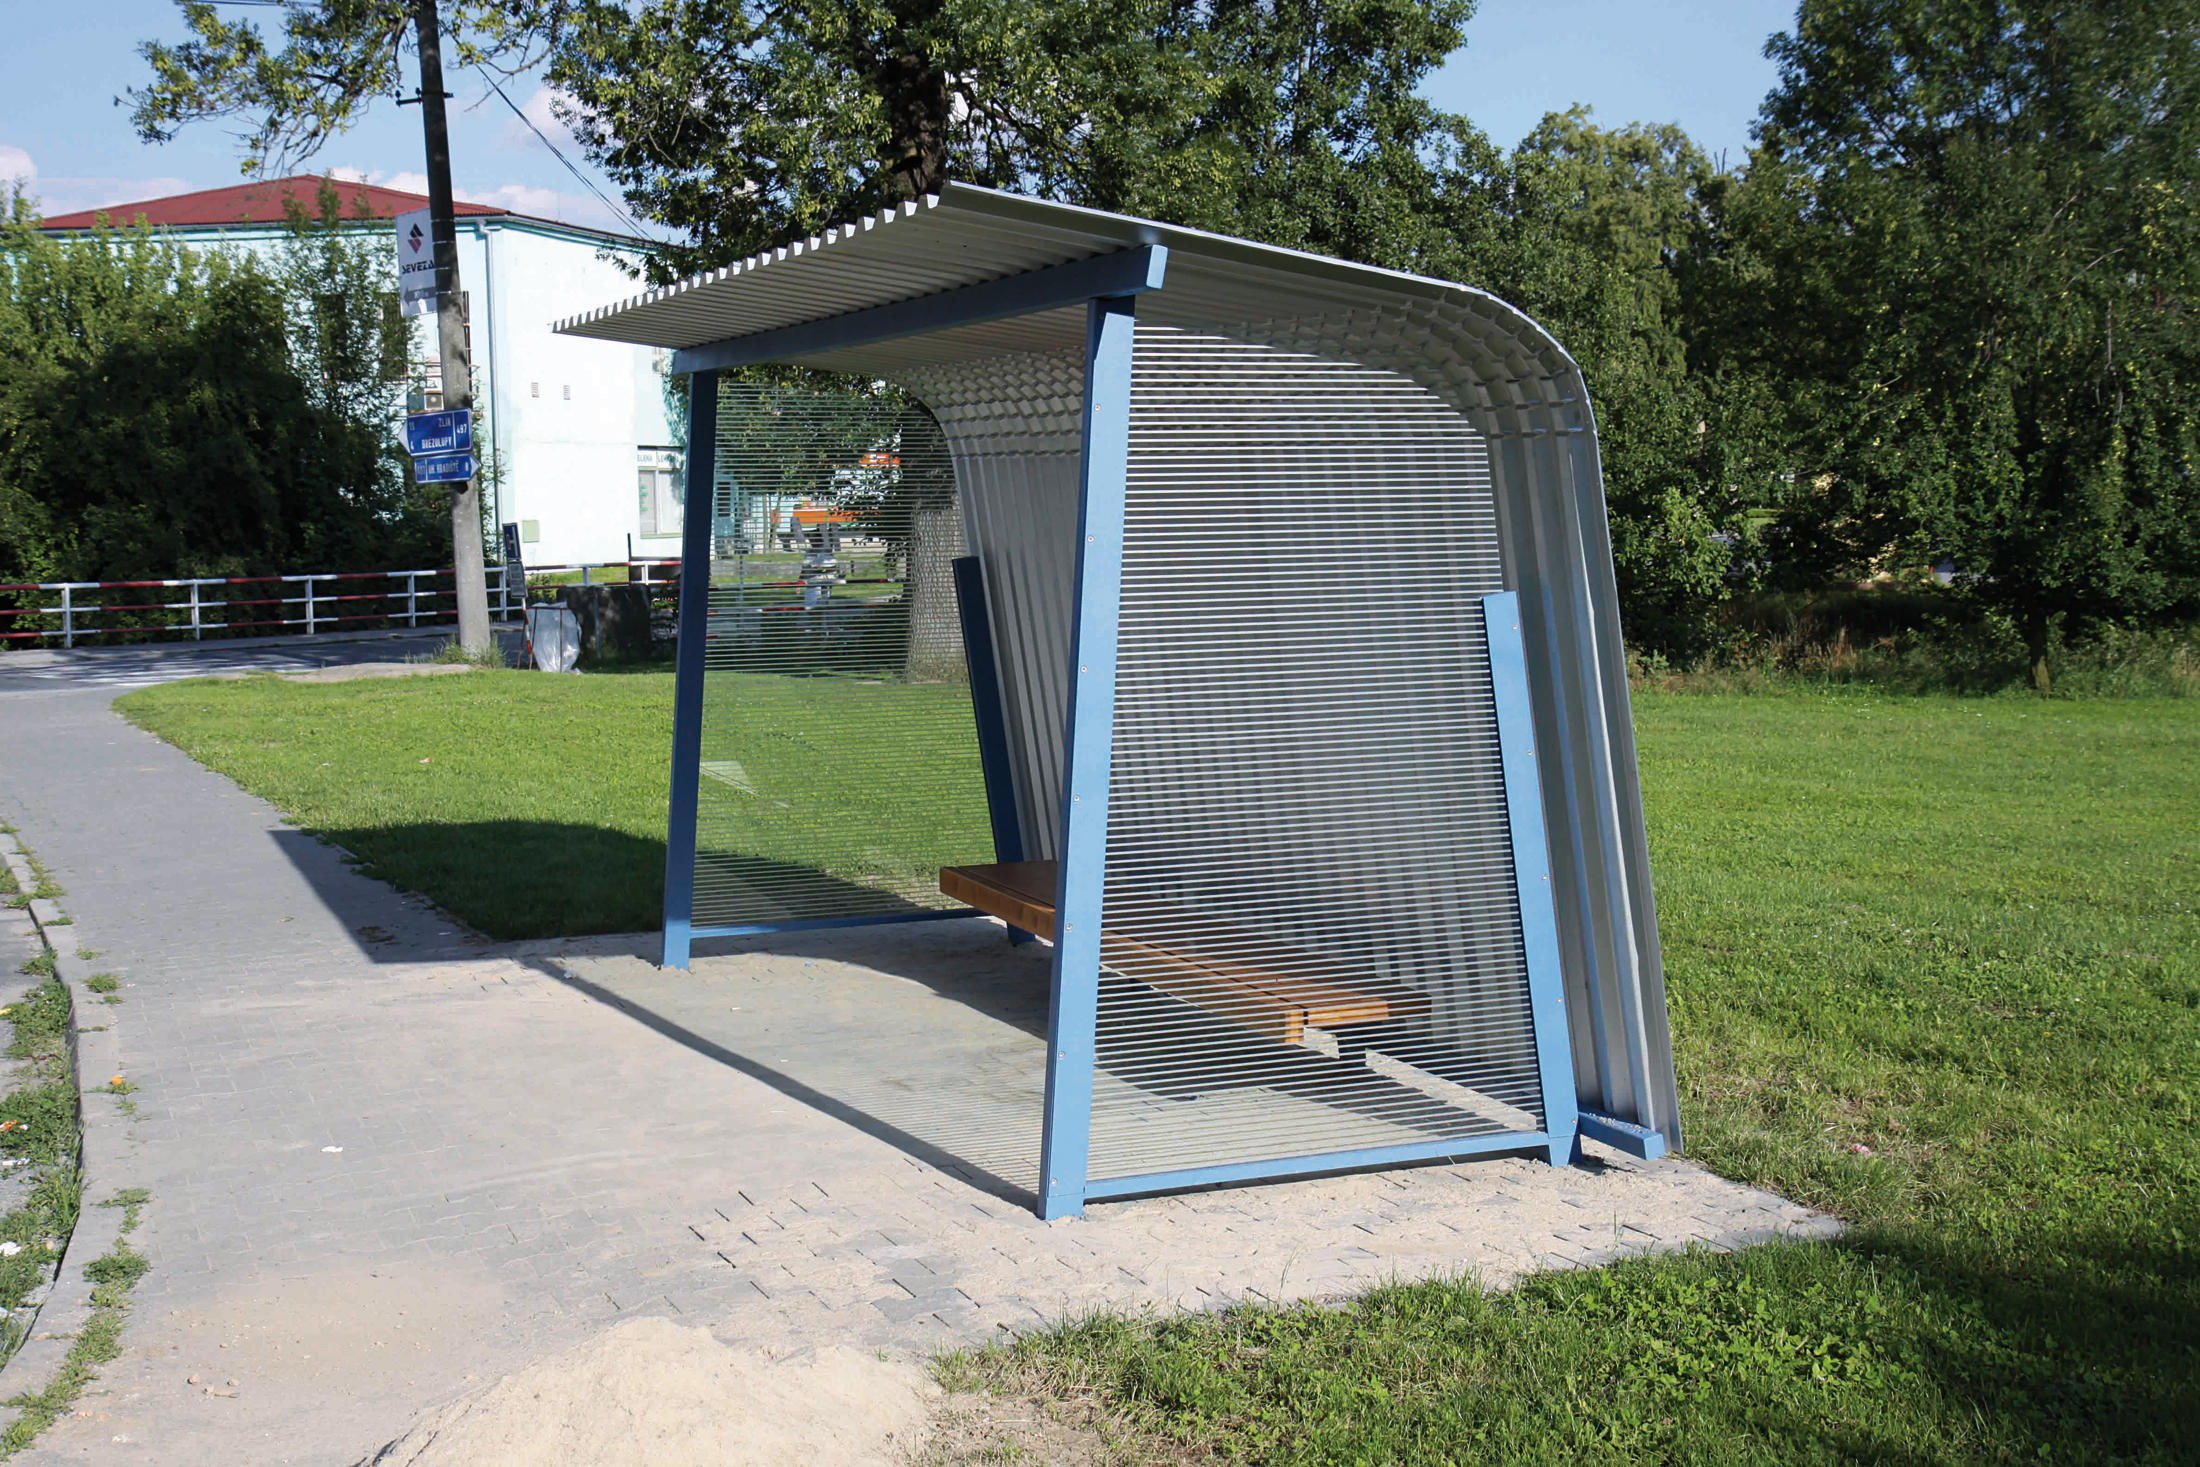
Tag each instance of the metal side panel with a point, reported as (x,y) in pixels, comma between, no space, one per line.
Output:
(1012,425)
(1314,942)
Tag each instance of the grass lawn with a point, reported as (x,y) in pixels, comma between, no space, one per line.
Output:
(533,806)
(1934,964)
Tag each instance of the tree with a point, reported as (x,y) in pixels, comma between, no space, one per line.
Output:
(1966,251)
(336,55)
(743,125)
(166,411)
(1590,234)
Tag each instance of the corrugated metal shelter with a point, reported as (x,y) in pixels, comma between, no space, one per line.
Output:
(1336,829)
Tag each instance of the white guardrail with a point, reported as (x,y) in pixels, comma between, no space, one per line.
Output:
(323,601)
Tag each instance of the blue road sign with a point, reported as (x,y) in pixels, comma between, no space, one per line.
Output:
(443,468)
(451,432)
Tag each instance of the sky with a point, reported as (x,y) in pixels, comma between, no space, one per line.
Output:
(1698,63)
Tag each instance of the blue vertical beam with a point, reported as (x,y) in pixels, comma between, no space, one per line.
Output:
(1554,1051)
(1073,1015)
(991,715)
(687,682)
(986,708)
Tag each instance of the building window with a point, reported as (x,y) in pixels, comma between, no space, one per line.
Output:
(658,472)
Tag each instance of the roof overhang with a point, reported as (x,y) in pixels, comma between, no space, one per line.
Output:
(942,246)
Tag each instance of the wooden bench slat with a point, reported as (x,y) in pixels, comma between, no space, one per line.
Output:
(1232,976)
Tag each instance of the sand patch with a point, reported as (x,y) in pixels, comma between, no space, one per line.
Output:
(652,1393)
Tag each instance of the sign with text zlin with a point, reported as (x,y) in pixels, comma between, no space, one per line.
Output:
(415,263)
(444,468)
(444,432)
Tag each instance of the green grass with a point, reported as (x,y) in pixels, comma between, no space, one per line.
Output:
(112,1276)
(533,806)
(38,1128)
(1934,964)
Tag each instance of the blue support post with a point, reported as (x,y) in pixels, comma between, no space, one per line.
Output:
(988,710)
(1554,1050)
(1073,1014)
(687,683)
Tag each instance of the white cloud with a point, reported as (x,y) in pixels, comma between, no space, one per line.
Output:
(68,195)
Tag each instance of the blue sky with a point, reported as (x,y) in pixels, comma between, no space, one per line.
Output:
(1699,63)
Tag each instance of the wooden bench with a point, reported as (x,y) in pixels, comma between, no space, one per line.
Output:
(1231,973)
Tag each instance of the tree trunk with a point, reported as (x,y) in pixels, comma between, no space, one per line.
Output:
(935,622)
(2035,626)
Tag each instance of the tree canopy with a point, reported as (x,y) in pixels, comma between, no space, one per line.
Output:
(1962,257)
(1941,314)
(166,411)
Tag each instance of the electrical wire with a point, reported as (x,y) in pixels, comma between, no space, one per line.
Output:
(585,181)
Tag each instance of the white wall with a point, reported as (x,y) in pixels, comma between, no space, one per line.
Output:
(567,462)
(567,414)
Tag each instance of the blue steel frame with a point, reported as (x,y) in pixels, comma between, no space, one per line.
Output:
(1554,1050)
(987,710)
(1110,285)
(1121,275)
(1064,1186)
(1073,1014)
(687,677)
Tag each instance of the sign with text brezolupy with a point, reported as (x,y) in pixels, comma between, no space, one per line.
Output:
(415,263)
(444,432)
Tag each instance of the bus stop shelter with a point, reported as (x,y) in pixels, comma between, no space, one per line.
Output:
(1282,693)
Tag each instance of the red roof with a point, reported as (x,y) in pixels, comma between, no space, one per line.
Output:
(259,203)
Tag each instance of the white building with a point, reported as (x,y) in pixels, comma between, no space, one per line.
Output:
(574,437)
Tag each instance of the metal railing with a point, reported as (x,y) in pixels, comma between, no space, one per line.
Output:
(309,604)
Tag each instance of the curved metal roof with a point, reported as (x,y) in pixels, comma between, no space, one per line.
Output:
(966,235)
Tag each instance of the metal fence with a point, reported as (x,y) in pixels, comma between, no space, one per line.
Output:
(197,608)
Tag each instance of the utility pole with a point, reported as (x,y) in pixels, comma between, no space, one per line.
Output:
(470,581)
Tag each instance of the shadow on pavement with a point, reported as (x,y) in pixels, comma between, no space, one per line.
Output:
(929,1036)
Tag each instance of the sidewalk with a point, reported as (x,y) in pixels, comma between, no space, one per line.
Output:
(118,669)
(389,1162)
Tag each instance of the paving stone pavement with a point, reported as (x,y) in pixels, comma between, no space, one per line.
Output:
(389,1160)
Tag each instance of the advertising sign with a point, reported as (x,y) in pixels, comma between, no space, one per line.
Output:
(415,264)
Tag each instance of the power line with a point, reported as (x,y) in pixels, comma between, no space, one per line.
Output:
(585,181)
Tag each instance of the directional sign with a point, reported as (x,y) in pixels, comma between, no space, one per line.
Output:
(429,433)
(444,468)
(415,263)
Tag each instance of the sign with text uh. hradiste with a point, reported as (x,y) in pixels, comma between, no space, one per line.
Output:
(415,263)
